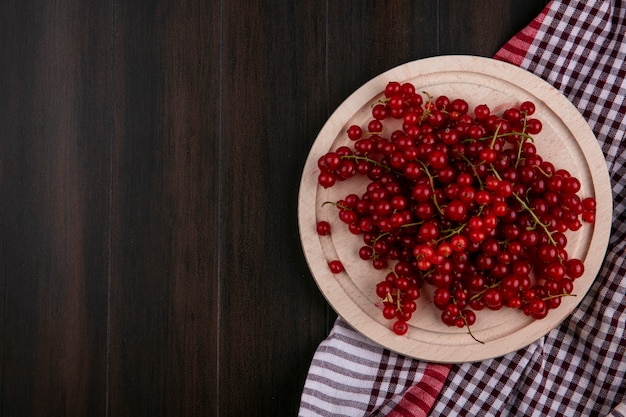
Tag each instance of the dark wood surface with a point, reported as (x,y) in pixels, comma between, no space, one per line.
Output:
(150,156)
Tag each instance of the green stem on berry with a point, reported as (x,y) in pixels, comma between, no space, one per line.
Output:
(519,146)
(340,206)
(429,101)
(413,224)
(519,155)
(526,207)
(425,274)
(504,135)
(549,297)
(365,158)
(495,136)
(398,299)
(480,182)
(452,232)
(488,287)
(432,185)
(469,330)
(380,236)
(545,174)
(536,219)
(375,254)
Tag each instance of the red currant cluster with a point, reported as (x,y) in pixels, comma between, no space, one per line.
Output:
(459,202)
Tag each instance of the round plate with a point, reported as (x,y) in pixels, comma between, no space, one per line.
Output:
(566,140)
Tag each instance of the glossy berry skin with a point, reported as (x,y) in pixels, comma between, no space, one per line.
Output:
(335,266)
(457,202)
(400,328)
(323,228)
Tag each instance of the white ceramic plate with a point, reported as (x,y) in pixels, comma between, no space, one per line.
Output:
(566,140)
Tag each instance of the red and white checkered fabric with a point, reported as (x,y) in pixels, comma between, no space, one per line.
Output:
(579,368)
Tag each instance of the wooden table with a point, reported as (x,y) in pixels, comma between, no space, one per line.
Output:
(150,262)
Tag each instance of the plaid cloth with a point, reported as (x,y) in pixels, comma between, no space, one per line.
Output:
(579,368)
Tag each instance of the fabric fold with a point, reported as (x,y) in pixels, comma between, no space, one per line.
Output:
(351,375)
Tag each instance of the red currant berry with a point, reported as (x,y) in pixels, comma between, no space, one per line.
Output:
(366,252)
(379,112)
(442,102)
(323,228)
(441,297)
(400,327)
(538,309)
(335,266)
(422,192)
(408,90)
(459,105)
(393,88)
(326,179)
(355,132)
(383,288)
(527,107)
(375,126)
(456,211)
(459,243)
(481,112)
(389,311)
(533,126)
(574,268)
(470,317)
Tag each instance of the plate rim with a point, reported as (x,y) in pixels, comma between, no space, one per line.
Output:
(488,67)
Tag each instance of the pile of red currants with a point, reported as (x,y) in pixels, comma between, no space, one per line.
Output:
(460,203)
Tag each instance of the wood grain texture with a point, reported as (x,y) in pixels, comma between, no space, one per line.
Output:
(55,162)
(150,155)
(164,210)
(273,103)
